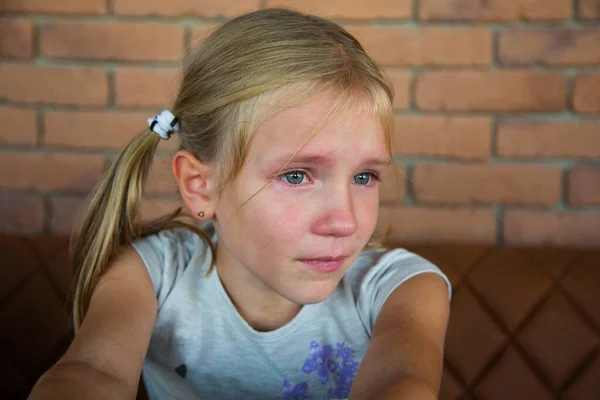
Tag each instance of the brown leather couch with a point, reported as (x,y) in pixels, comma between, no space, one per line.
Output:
(525,322)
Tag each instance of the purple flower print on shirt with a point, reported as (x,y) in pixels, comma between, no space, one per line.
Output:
(339,365)
(296,392)
(344,352)
(321,360)
(346,372)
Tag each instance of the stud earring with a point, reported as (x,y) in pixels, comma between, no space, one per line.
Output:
(201,214)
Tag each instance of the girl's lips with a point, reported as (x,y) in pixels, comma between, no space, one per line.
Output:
(325,264)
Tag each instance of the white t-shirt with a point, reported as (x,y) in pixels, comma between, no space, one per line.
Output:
(201,348)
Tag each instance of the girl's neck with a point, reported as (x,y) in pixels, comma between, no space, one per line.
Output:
(263,309)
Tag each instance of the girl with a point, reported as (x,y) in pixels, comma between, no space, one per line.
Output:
(284,125)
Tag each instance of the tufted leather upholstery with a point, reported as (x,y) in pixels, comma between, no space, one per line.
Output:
(524,324)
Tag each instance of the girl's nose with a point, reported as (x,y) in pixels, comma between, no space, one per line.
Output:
(337,217)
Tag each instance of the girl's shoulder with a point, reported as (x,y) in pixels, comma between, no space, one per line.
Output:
(169,254)
(377,273)
(387,268)
(171,242)
(371,261)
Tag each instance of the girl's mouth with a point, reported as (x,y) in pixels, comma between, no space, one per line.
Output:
(325,264)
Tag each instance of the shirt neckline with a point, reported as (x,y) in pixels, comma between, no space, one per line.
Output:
(280,333)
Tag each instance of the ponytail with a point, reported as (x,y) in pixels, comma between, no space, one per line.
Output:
(113,219)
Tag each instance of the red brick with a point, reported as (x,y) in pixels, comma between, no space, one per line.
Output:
(16,38)
(508,90)
(161,179)
(480,183)
(67,213)
(47,171)
(121,41)
(200,33)
(584,186)
(402,82)
(549,47)
(588,9)
(138,87)
(552,229)
(98,129)
(437,225)
(34,84)
(21,213)
(494,10)
(453,137)
(586,98)
(391,189)
(397,46)
(93,129)
(547,138)
(349,9)
(80,7)
(194,8)
(19,126)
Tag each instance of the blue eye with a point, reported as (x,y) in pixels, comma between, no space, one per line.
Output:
(363,178)
(294,177)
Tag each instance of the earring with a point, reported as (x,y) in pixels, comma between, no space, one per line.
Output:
(201,214)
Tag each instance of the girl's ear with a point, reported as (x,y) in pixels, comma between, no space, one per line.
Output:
(196,184)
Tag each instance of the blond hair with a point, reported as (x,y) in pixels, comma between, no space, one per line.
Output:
(227,88)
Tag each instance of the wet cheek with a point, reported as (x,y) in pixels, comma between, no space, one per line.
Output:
(279,223)
(272,221)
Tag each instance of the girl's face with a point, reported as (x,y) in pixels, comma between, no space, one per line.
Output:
(296,237)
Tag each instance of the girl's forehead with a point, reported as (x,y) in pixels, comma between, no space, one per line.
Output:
(313,125)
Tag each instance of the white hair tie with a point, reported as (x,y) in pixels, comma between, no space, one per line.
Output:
(164,124)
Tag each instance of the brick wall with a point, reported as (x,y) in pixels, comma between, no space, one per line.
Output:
(498,107)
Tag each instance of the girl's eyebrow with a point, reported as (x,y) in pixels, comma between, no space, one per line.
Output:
(317,159)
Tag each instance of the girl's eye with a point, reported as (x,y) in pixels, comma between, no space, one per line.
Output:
(294,177)
(364,178)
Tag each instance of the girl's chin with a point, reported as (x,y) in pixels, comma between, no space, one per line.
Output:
(311,293)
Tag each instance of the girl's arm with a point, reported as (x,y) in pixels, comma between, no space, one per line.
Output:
(405,356)
(106,356)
